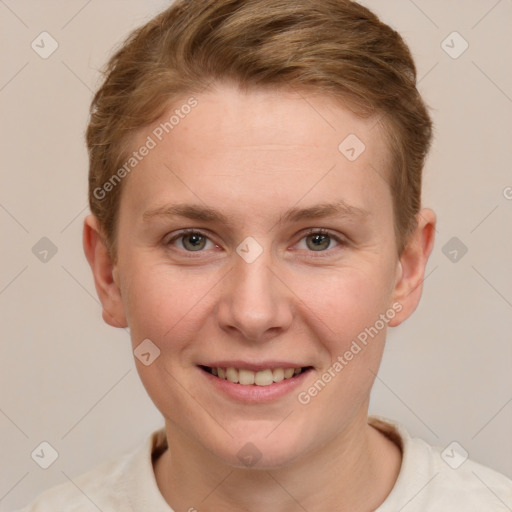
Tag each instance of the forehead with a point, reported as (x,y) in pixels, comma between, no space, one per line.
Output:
(263,146)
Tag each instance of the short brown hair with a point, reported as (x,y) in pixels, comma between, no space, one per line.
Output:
(336,47)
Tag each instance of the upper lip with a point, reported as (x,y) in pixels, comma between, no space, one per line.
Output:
(253,366)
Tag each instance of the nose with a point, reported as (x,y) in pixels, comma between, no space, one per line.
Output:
(255,304)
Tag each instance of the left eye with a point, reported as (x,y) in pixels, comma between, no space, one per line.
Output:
(318,241)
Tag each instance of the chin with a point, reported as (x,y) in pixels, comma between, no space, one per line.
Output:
(261,450)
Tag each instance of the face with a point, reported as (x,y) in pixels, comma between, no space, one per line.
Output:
(249,239)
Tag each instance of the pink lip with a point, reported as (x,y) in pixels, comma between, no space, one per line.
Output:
(255,367)
(256,394)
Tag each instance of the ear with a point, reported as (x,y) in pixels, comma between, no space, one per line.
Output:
(411,266)
(104,272)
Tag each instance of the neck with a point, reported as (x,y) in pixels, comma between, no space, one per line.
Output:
(354,472)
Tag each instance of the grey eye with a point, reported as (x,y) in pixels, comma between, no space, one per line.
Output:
(318,241)
(193,241)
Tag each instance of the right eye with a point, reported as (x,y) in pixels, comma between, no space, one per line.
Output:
(191,241)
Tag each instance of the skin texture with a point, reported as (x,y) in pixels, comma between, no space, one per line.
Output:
(253,156)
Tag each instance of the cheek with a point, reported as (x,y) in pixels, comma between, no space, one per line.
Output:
(165,303)
(344,301)
(345,314)
(153,305)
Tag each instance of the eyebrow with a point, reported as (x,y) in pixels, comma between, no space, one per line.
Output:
(204,213)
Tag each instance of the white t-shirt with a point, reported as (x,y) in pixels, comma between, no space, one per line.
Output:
(427,482)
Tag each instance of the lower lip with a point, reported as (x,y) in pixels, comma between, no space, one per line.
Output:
(256,394)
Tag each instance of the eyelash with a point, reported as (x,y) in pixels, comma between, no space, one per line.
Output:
(314,231)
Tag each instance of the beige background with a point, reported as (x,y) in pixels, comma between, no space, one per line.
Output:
(69,379)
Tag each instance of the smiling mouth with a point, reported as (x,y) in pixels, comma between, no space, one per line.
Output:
(265,377)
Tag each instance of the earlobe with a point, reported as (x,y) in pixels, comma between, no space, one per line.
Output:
(104,273)
(412,265)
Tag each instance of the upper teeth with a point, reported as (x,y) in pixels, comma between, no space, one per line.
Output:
(260,378)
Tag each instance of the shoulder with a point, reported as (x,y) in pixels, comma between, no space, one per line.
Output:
(98,489)
(451,479)
(112,486)
(442,479)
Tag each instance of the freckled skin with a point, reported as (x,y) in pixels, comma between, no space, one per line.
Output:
(252,157)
